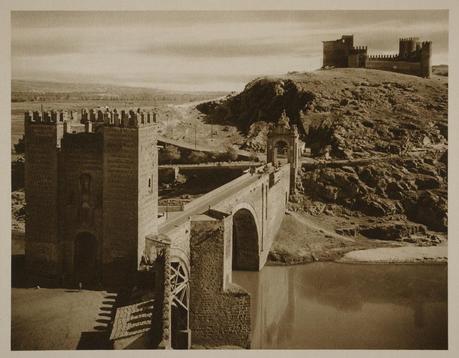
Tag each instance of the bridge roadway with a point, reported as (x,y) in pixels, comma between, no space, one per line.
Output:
(231,188)
(229,165)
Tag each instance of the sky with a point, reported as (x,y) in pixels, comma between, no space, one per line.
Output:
(205,50)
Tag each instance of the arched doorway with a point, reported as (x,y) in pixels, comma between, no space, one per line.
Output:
(180,331)
(281,154)
(245,241)
(85,259)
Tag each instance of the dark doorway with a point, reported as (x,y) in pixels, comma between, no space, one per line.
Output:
(85,260)
(245,241)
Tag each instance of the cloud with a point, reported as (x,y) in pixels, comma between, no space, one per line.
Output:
(202,50)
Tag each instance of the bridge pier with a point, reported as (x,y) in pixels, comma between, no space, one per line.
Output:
(220,311)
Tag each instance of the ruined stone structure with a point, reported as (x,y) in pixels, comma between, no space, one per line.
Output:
(414,57)
(92,201)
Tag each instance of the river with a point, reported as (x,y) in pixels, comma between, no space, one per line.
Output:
(348,306)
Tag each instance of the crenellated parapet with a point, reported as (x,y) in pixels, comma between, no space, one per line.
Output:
(88,120)
(358,49)
(392,57)
(124,118)
(407,39)
(49,117)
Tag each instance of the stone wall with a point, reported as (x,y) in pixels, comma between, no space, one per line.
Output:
(120,202)
(42,246)
(147,195)
(335,53)
(219,310)
(411,68)
(80,209)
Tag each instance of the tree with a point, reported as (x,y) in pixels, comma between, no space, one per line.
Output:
(170,154)
(197,157)
(229,156)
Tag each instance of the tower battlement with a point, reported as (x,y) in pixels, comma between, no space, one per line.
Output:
(124,118)
(92,118)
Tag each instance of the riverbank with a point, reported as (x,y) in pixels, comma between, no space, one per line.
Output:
(305,238)
(407,254)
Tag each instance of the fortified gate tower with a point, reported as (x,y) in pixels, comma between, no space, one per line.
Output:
(283,141)
(91,190)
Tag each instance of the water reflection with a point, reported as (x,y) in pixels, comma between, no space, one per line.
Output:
(329,305)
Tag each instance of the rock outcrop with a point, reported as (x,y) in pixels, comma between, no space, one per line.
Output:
(395,124)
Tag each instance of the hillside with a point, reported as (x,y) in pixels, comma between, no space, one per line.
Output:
(354,111)
(379,143)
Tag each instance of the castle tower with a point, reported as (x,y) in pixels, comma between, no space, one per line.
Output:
(426,55)
(130,192)
(335,53)
(407,46)
(43,134)
(92,192)
(284,138)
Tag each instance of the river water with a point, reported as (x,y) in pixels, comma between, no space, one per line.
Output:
(348,306)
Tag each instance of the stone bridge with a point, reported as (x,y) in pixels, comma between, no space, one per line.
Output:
(91,184)
(229,228)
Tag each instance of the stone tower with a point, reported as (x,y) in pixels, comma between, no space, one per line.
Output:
(96,199)
(286,136)
(43,134)
(130,191)
(407,47)
(426,55)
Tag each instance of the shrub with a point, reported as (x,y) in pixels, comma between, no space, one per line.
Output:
(170,154)
(197,157)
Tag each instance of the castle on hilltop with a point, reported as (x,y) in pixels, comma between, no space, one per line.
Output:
(413,57)
(91,189)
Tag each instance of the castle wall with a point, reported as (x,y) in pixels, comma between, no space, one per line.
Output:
(120,203)
(42,246)
(147,186)
(335,54)
(410,68)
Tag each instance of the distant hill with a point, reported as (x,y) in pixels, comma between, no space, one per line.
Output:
(24,90)
(440,70)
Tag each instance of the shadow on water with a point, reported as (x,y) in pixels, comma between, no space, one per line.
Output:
(339,306)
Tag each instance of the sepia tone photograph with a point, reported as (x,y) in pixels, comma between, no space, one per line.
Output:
(229,179)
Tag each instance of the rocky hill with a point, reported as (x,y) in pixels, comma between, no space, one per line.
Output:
(379,140)
(351,112)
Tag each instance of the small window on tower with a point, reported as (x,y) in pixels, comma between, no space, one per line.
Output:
(150,187)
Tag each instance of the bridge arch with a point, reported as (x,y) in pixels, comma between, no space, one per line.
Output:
(281,151)
(246,239)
